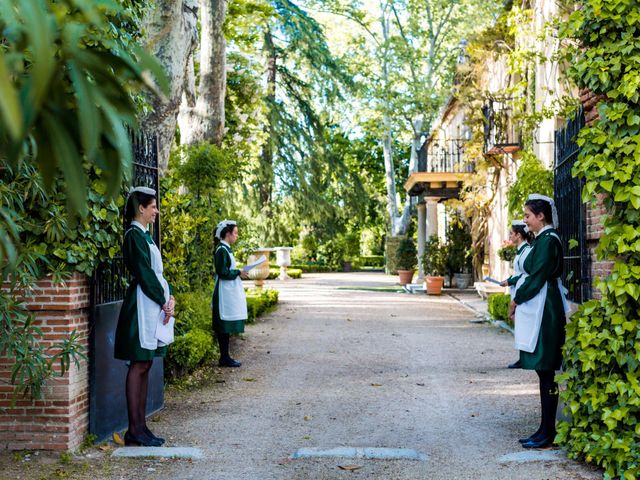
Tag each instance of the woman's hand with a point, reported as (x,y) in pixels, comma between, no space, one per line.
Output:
(168,309)
(504,283)
(244,275)
(512,310)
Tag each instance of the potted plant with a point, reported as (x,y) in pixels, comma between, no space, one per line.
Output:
(406,260)
(459,258)
(434,262)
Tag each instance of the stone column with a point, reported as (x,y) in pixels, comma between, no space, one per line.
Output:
(422,236)
(432,216)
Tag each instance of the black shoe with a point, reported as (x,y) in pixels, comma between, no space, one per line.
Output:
(131,440)
(541,442)
(533,437)
(151,435)
(229,362)
(515,364)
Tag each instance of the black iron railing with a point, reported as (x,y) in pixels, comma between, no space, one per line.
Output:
(501,131)
(572,212)
(109,281)
(444,157)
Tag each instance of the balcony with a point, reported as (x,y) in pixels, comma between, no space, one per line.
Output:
(501,131)
(442,168)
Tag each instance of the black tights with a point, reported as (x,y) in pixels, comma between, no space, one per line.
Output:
(137,386)
(223,342)
(548,403)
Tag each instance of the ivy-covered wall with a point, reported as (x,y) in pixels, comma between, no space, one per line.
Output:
(602,353)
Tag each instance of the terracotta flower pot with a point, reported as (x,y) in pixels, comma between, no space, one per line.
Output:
(434,285)
(405,276)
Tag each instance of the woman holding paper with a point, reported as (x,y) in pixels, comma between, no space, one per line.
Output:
(147,304)
(539,307)
(229,305)
(521,238)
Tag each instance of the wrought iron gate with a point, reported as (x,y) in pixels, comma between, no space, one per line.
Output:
(572,212)
(107,402)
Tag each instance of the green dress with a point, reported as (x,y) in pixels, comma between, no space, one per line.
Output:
(138,261)
(544,265)
(222,260)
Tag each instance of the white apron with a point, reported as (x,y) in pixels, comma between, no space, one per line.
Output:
(528,318)
(232,302)
(518,267)
(149,312)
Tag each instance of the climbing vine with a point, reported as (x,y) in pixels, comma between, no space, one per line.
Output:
(602,352)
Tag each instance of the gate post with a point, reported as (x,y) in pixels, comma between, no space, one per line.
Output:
(58,421)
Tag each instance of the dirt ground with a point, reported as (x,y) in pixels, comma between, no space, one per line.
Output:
(344,362)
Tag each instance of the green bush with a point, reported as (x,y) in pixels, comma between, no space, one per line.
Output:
(406,255)
(190,350)
(434,260)
(292,272)
(499,306)
(376,261)
(260,302)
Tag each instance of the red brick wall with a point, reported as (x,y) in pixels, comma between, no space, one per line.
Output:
(595,214)
(59,421)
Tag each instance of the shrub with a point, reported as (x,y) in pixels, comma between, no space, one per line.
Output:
(292,272)
(406,255)
(458,246)
(260,302)
(190,350)
(499,306)
(376,261)
(434,260)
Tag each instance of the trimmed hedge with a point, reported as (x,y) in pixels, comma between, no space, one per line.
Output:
(292,272)
(499,306)
(260,302)
(195,343)
(376,261)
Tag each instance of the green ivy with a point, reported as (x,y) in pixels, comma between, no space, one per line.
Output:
(532,177)
(602,352)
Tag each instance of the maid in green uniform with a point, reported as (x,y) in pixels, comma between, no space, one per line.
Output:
(146,303)
(521,238)
(539,308)
(229,305)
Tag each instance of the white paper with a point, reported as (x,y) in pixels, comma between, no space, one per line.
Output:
(164,333)
(492,280)
(253,265)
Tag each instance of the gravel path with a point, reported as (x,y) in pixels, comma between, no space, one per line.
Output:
(336,367)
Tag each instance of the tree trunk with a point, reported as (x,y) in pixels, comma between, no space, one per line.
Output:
(265,185)
(204,120)
(172,36)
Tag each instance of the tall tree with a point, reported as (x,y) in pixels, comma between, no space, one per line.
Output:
(202,112)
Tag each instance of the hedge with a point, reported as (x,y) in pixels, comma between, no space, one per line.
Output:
(499,306)
(292,272)
(260,302)
(376,261)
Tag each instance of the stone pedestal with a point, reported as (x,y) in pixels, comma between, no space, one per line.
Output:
(432,215)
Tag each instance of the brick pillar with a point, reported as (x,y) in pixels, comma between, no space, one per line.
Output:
(58,421)
(595,213)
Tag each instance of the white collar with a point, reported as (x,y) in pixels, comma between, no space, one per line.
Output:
(544,229)
(225,243)
(140,226)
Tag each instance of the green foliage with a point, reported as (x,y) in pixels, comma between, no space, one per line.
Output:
(376,261)
(260,302)
(343,248)
(507,251)
(434,260)
(601,353)
(190,350)
(498,304)
(292,272)
(532,177)
(406,255)
(458,245)
(66,82)
(192,192)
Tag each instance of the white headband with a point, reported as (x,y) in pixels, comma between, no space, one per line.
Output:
(520,223)
(554,211)
(147,190)
(221,226)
